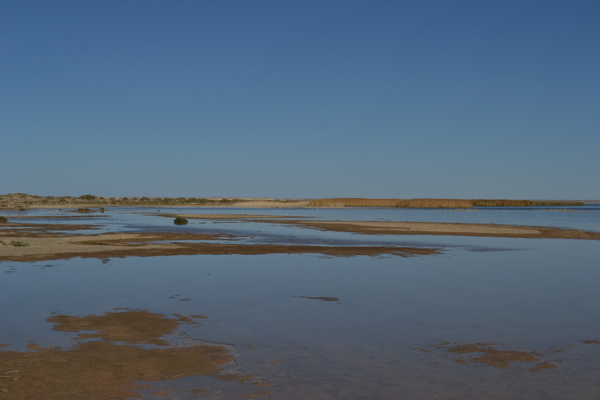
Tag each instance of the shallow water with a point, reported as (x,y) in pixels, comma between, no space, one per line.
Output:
(388,334)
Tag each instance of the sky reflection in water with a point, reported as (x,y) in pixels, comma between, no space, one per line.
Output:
(382,339)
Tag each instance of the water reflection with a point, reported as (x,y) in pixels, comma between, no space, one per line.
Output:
(493,324)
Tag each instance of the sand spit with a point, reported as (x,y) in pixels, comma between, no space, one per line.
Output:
(449,229)
(418,228)
(118,365)
(108,245)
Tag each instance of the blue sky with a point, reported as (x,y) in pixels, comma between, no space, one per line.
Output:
(275,98)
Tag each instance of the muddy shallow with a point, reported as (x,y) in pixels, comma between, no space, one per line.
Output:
(485,318)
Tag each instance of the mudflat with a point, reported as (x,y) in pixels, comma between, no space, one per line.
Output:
(37,241)
(41,244)
(416,228)
(117,366)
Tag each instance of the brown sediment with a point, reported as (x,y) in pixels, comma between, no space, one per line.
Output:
(591,341)
(446,229)
(501,359)
(132,327)
(261,384)
(323,298)
(259,394)
(495,358)
(40,230)
(144,245)
(543,367)
(188,320)
(107,370)
(104,370)
(239,378)
(413,228)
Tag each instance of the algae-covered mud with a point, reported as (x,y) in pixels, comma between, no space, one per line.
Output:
(114,366)
(286,304)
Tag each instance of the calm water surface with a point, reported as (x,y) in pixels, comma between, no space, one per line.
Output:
(387,336)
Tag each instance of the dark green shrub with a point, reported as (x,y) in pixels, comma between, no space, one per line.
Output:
(180,221)
(88,197)
(3,219)
(18,243)
(83,210)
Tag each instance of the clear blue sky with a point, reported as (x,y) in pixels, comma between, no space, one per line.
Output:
(275,98)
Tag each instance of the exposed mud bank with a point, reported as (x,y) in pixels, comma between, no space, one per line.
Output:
(117,365)
(152,244)
(417,228)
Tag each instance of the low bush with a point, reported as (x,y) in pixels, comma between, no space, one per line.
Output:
(18,243)
(3,219)
(180,221)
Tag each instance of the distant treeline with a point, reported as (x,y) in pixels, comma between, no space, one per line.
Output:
(25,200)
(434,203)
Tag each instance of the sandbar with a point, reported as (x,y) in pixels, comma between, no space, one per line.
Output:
(57,247)
(417,228)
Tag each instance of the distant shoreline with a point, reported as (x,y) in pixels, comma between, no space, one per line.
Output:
(22,201)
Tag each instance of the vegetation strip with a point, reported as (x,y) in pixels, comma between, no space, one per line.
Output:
(22,201)
(434,203)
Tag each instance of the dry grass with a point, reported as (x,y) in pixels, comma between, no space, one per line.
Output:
(433,203)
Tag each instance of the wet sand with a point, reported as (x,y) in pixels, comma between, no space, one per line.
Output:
(417,228)
(56,241)
(486,353)
(42,245)
(143,354)
(39,230)
(117,365)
